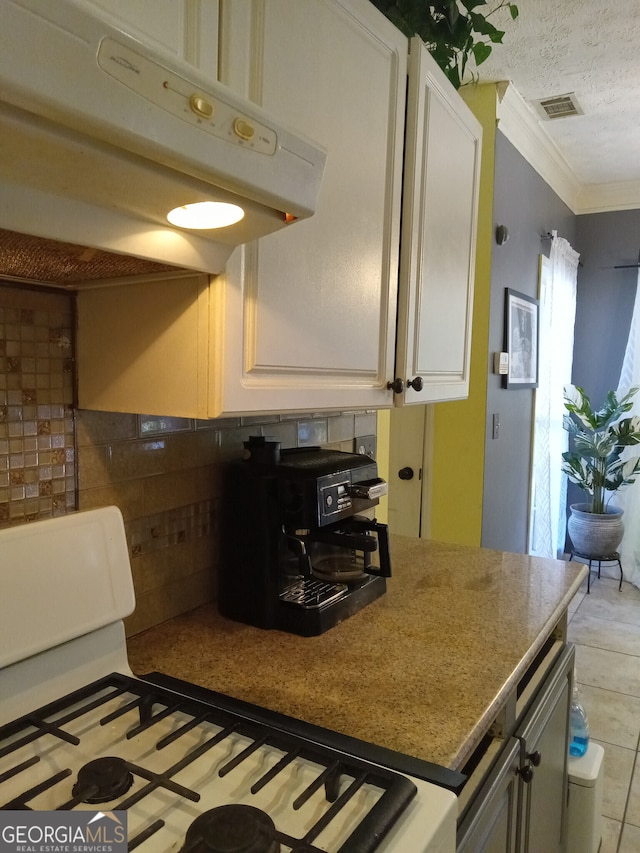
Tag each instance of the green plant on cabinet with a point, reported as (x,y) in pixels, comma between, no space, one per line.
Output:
(453,30)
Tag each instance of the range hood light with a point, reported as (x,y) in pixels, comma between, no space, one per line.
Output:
(203,215)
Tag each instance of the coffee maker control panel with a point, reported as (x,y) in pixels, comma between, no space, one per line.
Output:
(335,498)
(338,497)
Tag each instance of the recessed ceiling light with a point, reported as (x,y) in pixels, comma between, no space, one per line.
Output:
(205,214)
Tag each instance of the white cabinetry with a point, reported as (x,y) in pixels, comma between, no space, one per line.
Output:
(313,308)
(440,212)
(305,319)
(188,28)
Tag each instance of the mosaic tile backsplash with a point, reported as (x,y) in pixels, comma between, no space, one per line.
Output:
(164,473)
(37,454)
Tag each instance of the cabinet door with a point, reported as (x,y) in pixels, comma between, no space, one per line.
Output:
(188,28)
(544,737)
(309,313)
(440,212)
(492,827)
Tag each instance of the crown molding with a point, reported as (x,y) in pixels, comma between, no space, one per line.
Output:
(522,128)
(520,124)
(601,198)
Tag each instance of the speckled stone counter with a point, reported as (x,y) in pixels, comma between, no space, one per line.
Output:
(424,670)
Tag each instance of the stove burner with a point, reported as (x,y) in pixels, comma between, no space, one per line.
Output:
(102,780)
(233,828)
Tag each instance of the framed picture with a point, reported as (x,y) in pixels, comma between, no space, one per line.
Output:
(521,340)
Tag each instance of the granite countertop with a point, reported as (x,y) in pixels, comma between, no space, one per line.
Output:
(423,670)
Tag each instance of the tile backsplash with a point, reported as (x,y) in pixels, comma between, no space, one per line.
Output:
(37,454)
(164,473)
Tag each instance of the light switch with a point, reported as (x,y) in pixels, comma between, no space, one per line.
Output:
(496,425)
(501,363)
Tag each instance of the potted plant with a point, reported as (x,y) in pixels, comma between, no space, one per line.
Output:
(452,30)
(597,466)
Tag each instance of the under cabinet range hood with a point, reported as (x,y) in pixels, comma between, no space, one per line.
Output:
(101,135)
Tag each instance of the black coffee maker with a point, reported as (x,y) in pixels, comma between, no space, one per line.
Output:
(297,554)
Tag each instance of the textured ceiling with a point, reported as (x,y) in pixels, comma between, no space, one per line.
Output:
(588,47)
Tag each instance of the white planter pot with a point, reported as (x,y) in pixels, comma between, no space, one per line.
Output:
(595,534)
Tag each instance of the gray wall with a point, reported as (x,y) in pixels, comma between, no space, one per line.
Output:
(605,297)
(605,303)
(529,208)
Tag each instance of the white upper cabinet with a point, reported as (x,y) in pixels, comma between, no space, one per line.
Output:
(188,28)
(310,311)
(440,212)
(305,319)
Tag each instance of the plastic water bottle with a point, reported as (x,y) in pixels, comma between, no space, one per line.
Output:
(579,726)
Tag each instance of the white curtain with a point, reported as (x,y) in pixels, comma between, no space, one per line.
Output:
(558,278)
(628,498)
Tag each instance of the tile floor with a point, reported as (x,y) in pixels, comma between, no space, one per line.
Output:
(605,627)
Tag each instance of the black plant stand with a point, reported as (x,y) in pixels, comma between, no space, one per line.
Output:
(614,557)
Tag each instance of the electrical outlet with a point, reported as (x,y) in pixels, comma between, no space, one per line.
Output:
(366,445)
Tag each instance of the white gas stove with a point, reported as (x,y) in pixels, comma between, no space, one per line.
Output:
(195,770)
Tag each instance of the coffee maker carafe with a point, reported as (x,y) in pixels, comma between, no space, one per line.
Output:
(298,551)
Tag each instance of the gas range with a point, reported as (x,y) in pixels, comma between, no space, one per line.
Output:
(194,770)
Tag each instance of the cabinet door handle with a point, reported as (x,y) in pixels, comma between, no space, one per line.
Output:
(526,773)
(535,758)
(406,473)
(397,386)
(417,383)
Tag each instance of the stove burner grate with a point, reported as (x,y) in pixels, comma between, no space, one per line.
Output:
(151,704)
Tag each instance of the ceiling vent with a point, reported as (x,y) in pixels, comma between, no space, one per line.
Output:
(560,106)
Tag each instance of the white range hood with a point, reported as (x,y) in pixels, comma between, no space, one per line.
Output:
(100,136)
